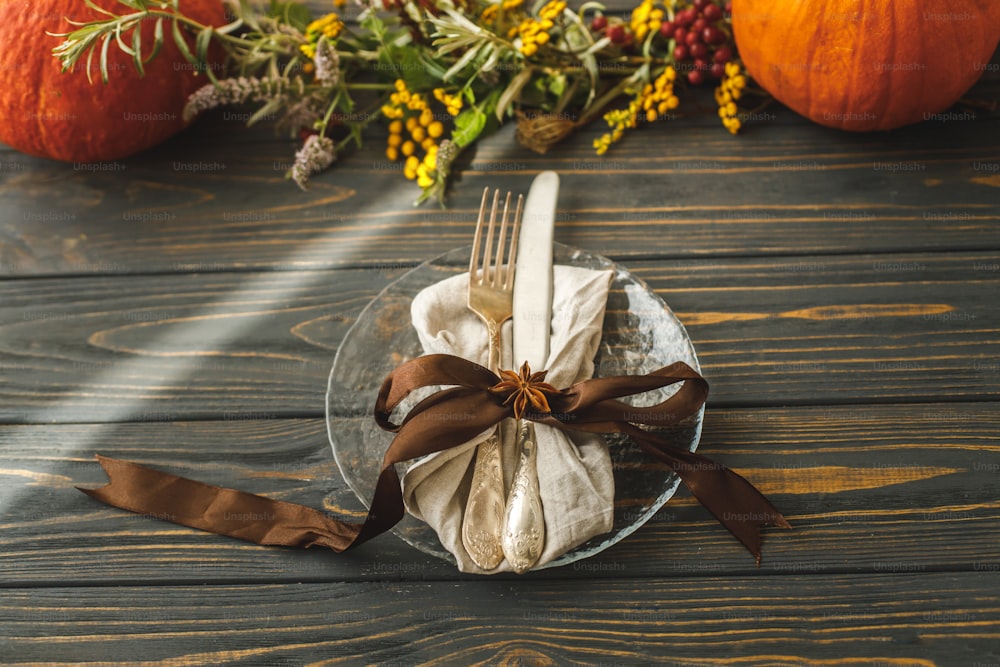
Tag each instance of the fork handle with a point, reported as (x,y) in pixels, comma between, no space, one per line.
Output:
(484,512)
(482,523)
(493,334)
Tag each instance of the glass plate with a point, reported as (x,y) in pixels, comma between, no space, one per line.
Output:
(641,334)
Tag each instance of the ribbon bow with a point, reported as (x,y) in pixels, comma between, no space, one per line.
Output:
(475,400)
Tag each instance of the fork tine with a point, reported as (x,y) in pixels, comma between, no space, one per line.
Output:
(500,271)
(477,240)
(489,272)
(512,254)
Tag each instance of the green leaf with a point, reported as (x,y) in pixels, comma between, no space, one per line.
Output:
(96,7)
(90,60)
(273,105)
(230,27)
(371,23)
(202,43)
(104,57)
(466,58)
(557,84)
(137,50)
(157,40)
(406,64)
(513,89)
(590,64)
(182,45)
(121,42)
(248,14)
(468,126)
(294,14)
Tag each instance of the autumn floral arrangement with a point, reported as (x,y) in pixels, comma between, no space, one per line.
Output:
(439,74)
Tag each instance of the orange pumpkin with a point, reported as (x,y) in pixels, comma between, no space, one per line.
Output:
(49,113)
(860,65)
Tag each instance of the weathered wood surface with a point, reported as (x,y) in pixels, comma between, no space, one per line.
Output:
(778,190)
(183,308)
(910,619)
(863,486)
(845,329)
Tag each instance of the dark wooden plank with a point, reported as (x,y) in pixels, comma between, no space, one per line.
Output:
(862,486)
(890,619)
(207,345)
(773,330)
(208,204)
(849,329)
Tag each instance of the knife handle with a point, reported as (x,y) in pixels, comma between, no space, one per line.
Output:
(524,522)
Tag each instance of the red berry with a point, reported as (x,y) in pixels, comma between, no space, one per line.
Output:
(728,8)
(698,50)
(599,23)
(713,35)
(699,25)
(680,32)
(701,65)
(667,29)
(717,70)
(680,52)
(692,37)
(685,17)
(700,5)
(616,33)
(723,55)
(696,77)
(712,13)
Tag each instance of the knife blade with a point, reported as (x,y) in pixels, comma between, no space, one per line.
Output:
(533,279)
(523,535)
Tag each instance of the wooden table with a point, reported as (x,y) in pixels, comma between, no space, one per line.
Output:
(183,311)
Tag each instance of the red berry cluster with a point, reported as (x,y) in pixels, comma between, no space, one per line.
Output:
(701,46)
(617,32)
(699,40)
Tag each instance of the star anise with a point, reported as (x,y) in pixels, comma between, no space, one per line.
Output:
(523,388)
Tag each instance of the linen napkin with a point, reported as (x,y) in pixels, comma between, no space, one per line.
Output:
(574,471)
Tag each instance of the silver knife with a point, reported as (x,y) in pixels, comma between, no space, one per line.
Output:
(523,534)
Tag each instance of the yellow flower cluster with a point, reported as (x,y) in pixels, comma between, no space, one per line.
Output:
(653,100)
(535,32)
(730,90)
(411,111)
(489,14)
(403,99)
(422,170)
(646,18)
(453,103)
(329,26)
(658,97)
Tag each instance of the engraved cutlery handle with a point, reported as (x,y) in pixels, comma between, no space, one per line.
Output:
(524,523)
(482,523)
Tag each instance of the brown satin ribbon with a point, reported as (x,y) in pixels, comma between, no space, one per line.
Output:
(448,418)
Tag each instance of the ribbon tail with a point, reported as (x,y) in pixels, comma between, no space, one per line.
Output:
(219,510)
(732,500)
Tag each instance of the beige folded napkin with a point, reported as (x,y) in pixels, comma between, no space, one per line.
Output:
(574,471)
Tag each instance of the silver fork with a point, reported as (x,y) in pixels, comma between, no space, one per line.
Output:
(491,297)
